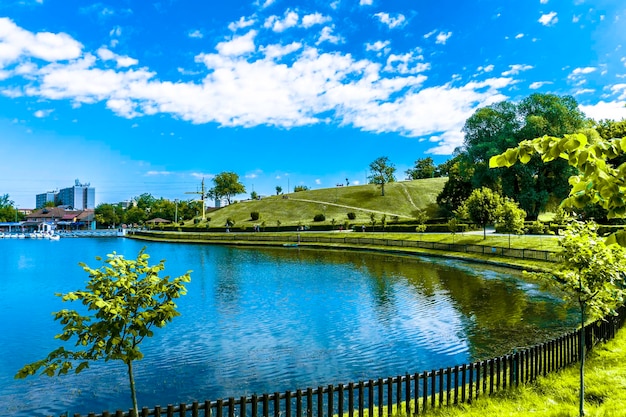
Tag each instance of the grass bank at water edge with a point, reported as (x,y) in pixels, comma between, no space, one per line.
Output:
(557,395)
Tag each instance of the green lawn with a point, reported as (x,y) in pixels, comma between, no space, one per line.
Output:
(401,199)
(557,395)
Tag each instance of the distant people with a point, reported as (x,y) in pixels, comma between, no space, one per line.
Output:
(363,228)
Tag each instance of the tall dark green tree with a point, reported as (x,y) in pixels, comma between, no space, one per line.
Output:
(493,129)
(423,168)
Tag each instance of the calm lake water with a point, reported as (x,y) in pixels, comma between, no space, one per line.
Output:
(265,320)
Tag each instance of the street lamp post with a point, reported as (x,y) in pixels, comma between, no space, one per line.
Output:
(176,213)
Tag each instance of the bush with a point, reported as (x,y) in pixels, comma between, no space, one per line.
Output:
(352,215)
(254,215)
(319,218)
(536,227)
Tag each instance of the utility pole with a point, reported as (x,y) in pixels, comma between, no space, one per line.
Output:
(202,194)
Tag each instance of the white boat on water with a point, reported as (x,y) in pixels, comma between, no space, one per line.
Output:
(54,237)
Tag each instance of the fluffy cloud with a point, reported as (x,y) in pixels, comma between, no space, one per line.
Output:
(443,37)
(289,20)
(548,19)
(615,110)
(391,21)
(16,42)
(249,83)
(516,69)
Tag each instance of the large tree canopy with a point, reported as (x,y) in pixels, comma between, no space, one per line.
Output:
(493,129)
(226,185)
(381,172)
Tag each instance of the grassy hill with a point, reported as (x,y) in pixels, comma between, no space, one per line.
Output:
(401,199)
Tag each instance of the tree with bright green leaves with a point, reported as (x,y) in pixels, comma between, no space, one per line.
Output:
(599,179)
(381,172)
(108,214)
(493,129)
(279,189)
(590,273)
(423,168)
(124,300)
(226,185)
(8,212)
(510,218)
(482,207)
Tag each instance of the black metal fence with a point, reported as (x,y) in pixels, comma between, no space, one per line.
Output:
(413,394)
(305,238)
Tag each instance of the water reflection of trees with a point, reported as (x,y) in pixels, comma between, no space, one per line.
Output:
(500,311)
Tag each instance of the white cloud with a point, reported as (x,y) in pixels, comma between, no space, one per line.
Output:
(242,23)
(615,110)
(516,69)
(314,19)
(289,20)
(582,71)
(122,61)
(16,42)
(196,34)
(42,113)
(391,21)
(313,87)
(429,34)
(266,3)
(326,35)
(278,51)
(365,2)
(543,1)
(576,18)
(487,68)
(548,19)
(443,37)
(376,46)
(519,36)
(538,84)
(406,64)
(239,45)
(584,91)
(318,181)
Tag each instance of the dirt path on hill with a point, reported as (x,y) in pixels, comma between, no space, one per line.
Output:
(349,207)
(408,196)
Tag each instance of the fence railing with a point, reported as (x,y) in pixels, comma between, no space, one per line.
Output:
(535,254)
(413,394)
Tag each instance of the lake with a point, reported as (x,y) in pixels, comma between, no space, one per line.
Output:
(259,320)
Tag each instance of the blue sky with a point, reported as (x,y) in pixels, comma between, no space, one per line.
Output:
(152,96)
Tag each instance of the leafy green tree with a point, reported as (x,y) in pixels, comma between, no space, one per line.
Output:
(135,215)
(381,172)
(145,201)
(493,129)
(8,212)
(226,185)
(510,218)
(125,300)
(373,220)
(456,190)
(254,195)
(423,168)
(299,188)
(107,215)
(279,189)
(421,218)
(598,182)
(482,207)
(453,227)
(590,273)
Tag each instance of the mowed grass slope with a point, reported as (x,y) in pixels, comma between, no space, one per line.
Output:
(401,199)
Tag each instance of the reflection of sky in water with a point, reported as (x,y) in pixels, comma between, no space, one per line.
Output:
(258,321)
